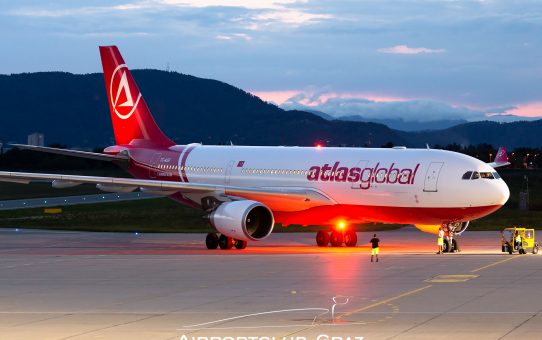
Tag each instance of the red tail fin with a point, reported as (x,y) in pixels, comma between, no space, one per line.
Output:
(129,112)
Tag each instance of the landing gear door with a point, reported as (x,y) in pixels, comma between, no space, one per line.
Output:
(431,177)
(362,165)
(153,167)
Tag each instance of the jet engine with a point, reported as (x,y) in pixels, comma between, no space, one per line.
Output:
(458,227)
(243,220)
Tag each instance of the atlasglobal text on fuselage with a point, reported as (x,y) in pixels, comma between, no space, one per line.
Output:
(245,190)
(377,174)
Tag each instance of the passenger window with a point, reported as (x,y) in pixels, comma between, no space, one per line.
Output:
(467,175)
(475,175)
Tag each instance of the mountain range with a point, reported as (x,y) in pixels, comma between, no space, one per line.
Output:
(72,109)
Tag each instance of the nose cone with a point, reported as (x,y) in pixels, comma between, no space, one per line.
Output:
(501,193)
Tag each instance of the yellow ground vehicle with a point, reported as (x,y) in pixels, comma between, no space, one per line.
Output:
(526,245)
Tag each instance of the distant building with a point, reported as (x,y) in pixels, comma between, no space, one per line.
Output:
(36,139)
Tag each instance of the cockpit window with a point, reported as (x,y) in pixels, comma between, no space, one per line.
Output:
(496,175)
(475,175)
(487,175)
(467,175)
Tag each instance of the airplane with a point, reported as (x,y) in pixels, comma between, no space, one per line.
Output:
(245,190)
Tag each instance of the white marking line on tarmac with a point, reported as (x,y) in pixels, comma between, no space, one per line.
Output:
(190,313)
(325,310)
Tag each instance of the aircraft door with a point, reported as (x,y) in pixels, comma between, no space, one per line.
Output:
(431,177)
(362,165)
(153,167)
(227,173)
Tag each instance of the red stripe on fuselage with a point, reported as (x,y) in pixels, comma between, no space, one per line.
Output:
(143,162)
(183,163)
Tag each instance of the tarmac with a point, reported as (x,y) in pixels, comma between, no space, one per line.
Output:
(72,200)
(83,285)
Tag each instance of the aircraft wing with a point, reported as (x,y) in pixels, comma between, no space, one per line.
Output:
(306,196)
(501,159)
(74,153)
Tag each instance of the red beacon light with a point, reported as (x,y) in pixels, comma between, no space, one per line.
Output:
(318,145)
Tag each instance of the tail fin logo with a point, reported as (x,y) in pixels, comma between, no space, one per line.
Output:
(121,94)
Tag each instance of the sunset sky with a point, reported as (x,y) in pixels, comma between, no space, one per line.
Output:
(411,59)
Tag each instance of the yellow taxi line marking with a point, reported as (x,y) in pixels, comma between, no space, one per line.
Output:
(451,278)
(376,304)
(493,264)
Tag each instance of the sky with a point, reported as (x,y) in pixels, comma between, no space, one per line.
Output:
(407,59)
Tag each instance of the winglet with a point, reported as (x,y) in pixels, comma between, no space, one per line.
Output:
(501,159)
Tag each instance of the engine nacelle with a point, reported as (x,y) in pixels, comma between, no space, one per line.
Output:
(243,220)
(458,227)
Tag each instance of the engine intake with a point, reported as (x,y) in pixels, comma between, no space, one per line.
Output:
(243,220)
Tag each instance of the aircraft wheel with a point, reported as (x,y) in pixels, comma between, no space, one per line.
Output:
(455,246)
(336,238)
(211,241)
(445,246)
(535,250)
(350,238)
(322,238)
(225,242)
(239,244)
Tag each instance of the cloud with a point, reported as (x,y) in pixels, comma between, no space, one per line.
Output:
(404,49)
(265,11)
(533,109)
(234,36)
(290,17)
(408,110)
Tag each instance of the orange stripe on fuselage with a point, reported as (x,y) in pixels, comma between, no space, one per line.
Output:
(330,214)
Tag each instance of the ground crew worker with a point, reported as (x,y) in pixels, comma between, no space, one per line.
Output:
(518,241)
(440,240)
(374,247)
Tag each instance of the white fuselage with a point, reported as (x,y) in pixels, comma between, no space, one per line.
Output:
(410,181)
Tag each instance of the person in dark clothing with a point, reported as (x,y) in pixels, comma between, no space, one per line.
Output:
(374,247)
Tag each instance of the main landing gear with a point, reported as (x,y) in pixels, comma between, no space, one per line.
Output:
(213,241)
(336,238)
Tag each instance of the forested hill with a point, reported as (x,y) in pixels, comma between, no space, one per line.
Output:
(72,109)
